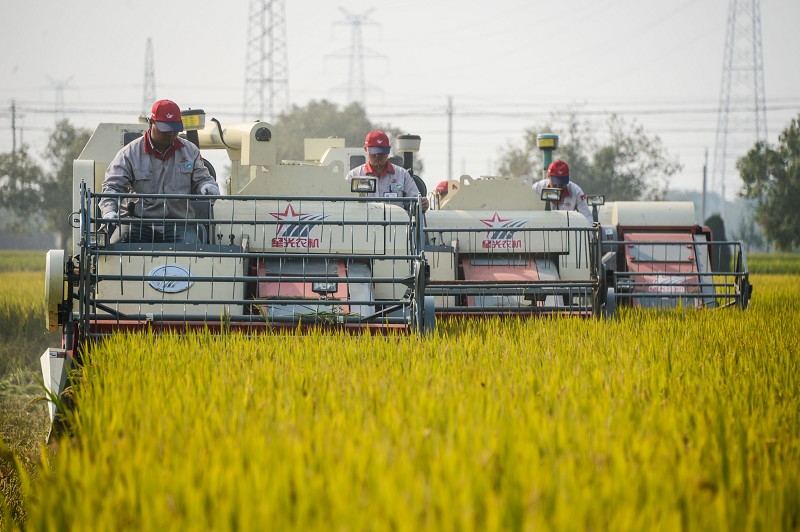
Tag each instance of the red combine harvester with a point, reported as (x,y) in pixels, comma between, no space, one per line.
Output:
(657,256)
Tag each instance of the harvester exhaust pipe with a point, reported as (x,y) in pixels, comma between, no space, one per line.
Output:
(408,145)
(547,143)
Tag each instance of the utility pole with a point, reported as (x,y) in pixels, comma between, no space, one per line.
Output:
(266,77)
(13,127)
(742,119)
(449,137)
(705,173)
(149,91)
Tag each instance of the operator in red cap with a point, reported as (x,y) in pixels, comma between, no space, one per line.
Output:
(159,162)
(572,197)
(392,181)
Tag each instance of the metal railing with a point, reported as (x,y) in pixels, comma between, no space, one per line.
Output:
(667,274)
(515,271)
(258,262)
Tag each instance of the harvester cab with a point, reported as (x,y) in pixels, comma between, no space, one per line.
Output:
(495,247)
(289,245)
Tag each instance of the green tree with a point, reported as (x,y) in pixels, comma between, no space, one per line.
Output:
(751,234)
(320,119)
(626,165)
(771,176)
(42,199)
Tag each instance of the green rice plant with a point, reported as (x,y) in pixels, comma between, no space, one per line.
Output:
(23,420)
(21,304)
(786,263)
(22,329)
(22,261)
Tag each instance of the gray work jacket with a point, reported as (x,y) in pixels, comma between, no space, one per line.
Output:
(137,168)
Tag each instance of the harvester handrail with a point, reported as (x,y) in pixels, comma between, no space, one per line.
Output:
(365,277)
(553,269)
(258,197)
(674,242)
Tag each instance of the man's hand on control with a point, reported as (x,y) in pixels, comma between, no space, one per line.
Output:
(210,189)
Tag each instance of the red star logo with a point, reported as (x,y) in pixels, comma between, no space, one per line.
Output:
(286,216)
(495,221)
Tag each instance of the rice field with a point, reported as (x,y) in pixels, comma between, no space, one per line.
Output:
(656,420)
(664,421)
(22,334)
(786,263)
(21,261)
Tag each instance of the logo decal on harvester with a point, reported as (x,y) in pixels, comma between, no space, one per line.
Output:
(170,278)
(295,235)
(502,236)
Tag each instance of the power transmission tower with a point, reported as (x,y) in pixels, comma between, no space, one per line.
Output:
(742,119)
(266,77)
(149,92)
(356,82)
(58,87)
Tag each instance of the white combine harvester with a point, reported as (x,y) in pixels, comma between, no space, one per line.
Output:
(291,245)
(494,247)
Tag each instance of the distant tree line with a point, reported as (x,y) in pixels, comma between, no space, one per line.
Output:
(623,163)
(40,197)
(771,177)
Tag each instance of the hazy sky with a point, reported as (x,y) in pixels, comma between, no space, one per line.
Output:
(507,64)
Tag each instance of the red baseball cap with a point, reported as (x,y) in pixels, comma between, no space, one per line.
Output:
(167,116)
(558,172)
(377,142)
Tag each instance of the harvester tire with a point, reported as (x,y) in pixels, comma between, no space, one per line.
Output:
(611,303)
(429,315)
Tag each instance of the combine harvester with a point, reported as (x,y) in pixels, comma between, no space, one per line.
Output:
(657,256)
(291,245)
(494,247)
